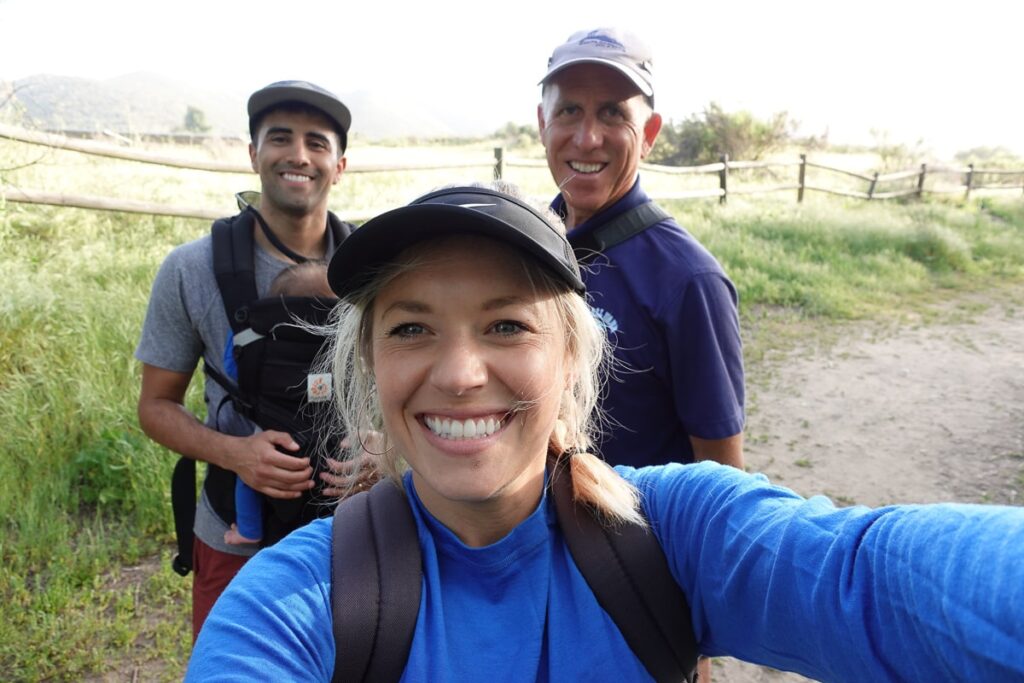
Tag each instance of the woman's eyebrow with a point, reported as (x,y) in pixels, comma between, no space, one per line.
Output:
(406,306)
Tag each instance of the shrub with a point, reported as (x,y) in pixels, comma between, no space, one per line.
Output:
(703,138)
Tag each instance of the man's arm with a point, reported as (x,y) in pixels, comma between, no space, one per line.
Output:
(256,459)
(728,451)
(706,357)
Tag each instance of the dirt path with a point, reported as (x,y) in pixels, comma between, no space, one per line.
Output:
(919,412)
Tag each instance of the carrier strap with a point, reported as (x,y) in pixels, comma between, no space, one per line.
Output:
(376,576)
(617,230)
(234,267)
(234,261)
(183,504)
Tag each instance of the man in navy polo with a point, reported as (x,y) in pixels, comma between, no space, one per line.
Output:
(667,305)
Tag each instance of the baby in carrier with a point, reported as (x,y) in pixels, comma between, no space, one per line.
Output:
(307,279)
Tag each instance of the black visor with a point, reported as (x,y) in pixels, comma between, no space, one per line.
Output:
(457,210)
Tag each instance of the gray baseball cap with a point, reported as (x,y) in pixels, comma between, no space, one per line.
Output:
(612,47)
(306,93)
(454,210)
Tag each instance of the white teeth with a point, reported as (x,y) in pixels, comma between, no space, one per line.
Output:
(581,167)
(295,178)
(462,429)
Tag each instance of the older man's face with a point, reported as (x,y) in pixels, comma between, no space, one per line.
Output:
(596,127)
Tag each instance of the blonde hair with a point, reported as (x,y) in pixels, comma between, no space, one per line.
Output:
(587,351)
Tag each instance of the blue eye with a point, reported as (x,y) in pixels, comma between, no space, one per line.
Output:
(508,327)
(406,330)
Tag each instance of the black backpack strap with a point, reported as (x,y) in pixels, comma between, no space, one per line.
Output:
(234,267)
(626,569)
(376,582)
(618,230)
(339,231)
(183,503)
(376,576)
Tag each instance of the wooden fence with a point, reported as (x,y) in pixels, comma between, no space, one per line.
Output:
(967,179)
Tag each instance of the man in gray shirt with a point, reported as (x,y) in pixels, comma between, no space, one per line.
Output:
(298,138)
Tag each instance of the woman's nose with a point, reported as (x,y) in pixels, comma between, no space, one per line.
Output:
(459,368)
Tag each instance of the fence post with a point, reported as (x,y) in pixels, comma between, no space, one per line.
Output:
(970,181)
(871,188)
(723,178)
(920,180)
(803,178)
(499,163)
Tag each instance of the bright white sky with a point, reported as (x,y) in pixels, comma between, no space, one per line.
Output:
(945,71)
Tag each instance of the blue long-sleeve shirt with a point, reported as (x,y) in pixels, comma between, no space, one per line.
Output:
(904,593)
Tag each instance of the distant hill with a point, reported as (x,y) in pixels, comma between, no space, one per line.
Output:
(149,103)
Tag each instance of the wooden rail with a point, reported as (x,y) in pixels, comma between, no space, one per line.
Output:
(107,150)
(723,169)
(19,195)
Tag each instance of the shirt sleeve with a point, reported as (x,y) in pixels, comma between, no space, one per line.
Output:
(705,355)
(169,339)
(902,593)
(273,623)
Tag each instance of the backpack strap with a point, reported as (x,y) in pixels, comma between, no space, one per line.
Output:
(376,576)
(618,230)
(626,569)
(375,587)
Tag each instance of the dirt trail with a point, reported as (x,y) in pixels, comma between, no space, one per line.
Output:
(920,412)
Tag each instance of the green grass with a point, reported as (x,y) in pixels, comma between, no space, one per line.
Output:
(84,494)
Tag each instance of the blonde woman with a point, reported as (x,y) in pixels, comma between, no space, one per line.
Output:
(467,344)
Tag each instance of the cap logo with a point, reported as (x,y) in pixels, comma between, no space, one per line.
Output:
(602,39)
(474,206)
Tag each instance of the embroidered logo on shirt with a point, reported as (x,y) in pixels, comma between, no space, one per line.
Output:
(606,320)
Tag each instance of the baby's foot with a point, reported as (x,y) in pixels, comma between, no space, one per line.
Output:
(232,537)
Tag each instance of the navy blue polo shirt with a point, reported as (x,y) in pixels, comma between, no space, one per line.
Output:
(671,315)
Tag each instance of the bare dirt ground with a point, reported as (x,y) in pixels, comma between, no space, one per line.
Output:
(927,410)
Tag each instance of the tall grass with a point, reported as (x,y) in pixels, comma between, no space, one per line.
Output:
(85,495)
(83,492)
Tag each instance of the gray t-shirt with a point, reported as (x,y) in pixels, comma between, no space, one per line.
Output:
(186,321)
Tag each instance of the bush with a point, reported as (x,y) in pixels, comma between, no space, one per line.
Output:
(703,138)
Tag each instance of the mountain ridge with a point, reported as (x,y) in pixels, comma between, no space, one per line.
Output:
(150,103)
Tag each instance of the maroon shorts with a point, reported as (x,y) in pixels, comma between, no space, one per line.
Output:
(212,570)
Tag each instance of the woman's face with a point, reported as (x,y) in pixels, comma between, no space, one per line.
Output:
(470,364)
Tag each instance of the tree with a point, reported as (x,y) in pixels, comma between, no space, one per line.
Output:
(518,136)
(703,138)
(990,157)
(195,120)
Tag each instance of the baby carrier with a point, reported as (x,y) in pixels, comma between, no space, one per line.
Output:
(276,388)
